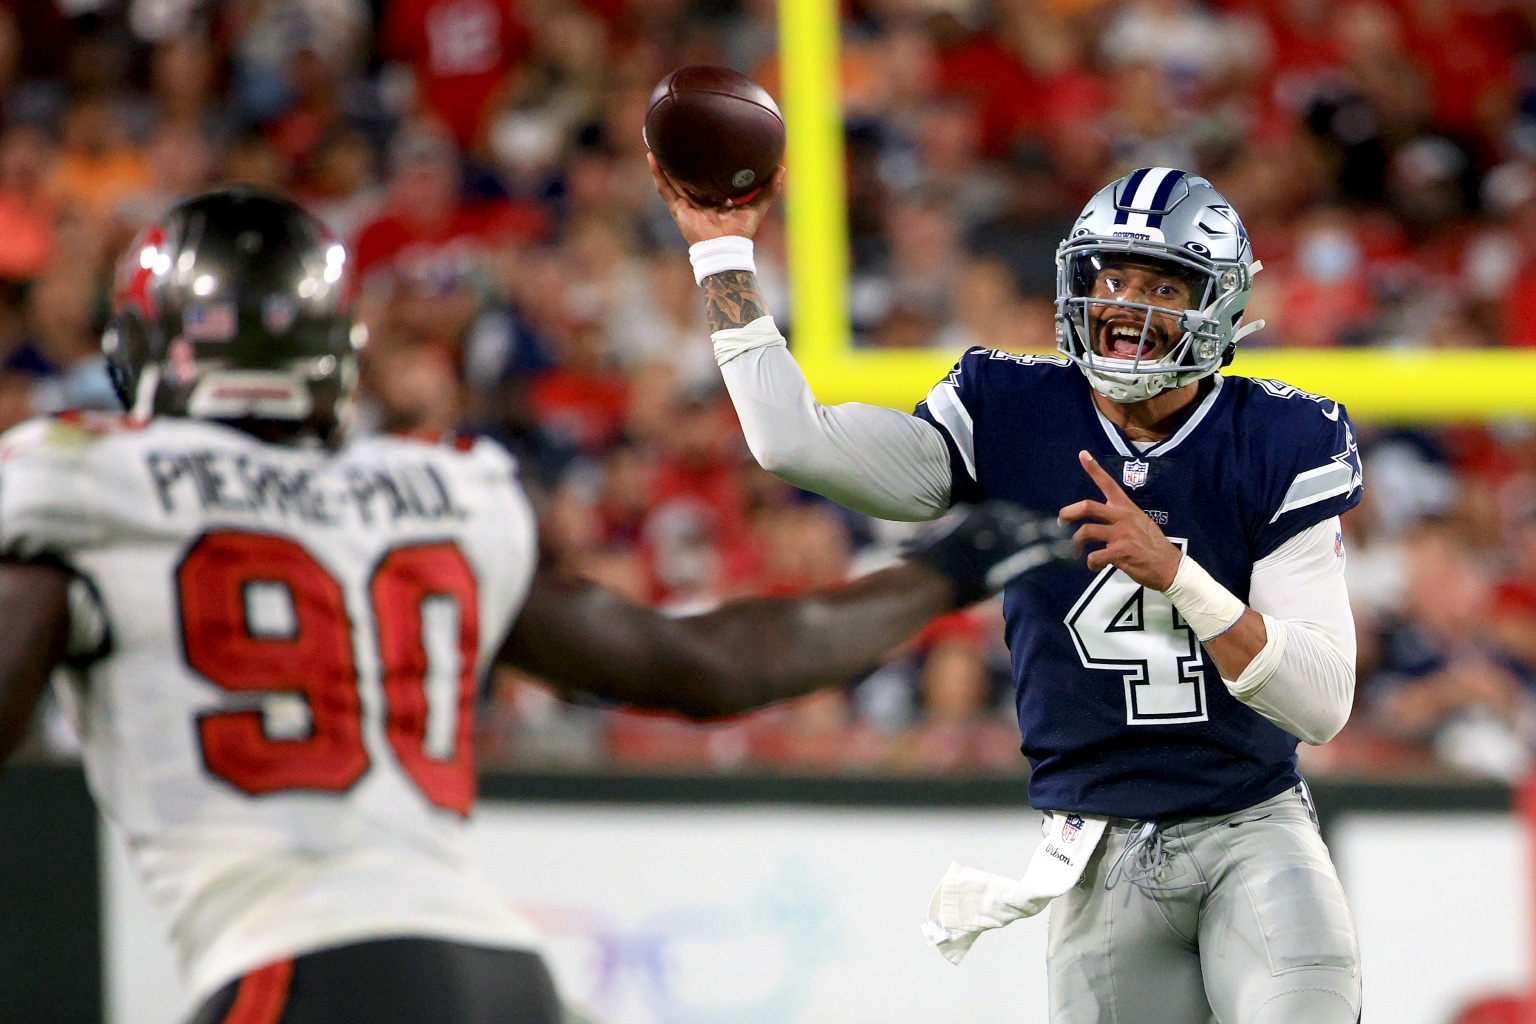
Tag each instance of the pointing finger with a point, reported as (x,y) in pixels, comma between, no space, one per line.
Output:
(1099,476)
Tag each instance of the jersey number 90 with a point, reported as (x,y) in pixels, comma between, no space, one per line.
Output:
(1122,627)
(261,616)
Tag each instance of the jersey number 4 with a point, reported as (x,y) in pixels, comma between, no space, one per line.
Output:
(260,616)
(1120,626)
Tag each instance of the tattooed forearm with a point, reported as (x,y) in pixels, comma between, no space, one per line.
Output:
(732,299)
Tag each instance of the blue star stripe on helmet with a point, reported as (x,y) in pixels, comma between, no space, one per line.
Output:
(1128,196)
(1160,198)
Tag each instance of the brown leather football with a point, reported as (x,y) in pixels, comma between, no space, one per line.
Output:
(716,133)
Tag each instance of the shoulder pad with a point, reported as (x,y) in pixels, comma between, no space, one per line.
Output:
(97,423)
(1024,358)
(48,437)
(1292,395)
(472,453)
(1315,463)
(63,485)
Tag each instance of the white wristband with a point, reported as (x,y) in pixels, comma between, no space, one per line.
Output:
(717,255)
(1209,608)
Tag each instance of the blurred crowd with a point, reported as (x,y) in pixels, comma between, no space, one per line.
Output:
(484,161)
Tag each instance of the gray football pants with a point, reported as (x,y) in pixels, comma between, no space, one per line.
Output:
(1238,919)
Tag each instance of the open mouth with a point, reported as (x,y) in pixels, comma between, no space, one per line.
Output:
(1122,339)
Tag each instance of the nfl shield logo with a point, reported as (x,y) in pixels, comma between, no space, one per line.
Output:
(1070,826)
(1134,474)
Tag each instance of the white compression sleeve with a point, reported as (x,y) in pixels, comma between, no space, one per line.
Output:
(1304,678)
(878,461)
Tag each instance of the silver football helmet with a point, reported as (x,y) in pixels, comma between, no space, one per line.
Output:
(1177,225)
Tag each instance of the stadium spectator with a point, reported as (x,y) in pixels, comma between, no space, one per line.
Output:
(26,211)
(460,52)
(1445,680)
(338,181)
(183,89)
(253,160)
(98,166)
(959,729)
(180,164)
(61,315)
(427,229)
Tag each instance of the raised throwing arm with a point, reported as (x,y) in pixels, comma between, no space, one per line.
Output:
(879,461)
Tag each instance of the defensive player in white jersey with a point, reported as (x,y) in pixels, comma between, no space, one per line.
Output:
(274,640)
(1163,682)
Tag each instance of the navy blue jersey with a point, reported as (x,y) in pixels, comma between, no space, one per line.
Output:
(1122,712)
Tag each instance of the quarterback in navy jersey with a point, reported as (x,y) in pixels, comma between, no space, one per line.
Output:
(1121,711)
(1164,681)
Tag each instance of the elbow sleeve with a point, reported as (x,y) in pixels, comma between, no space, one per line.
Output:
(874,460)
(1300,681)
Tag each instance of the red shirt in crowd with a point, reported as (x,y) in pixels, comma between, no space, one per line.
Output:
(460,49)
(712,498)
(1007,97)
(1469,59)
(444,250)
(585,409)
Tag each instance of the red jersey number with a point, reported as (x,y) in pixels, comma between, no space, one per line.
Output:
(429,632)
(260,615)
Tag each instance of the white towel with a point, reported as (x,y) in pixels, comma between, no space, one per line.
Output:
(969,902)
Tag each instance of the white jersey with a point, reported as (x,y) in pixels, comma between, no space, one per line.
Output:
(279,712)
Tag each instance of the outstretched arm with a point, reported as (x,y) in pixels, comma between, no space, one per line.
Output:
(871,459)
(586,640)
(34,605)
(583,639)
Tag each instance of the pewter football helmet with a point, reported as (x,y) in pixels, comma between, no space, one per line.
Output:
(1176,222)
(234,307)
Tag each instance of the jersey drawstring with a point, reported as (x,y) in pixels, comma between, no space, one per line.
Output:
(1142,860)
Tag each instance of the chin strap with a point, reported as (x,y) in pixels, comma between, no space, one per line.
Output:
(144,396)
(1247,329)
(1256,325)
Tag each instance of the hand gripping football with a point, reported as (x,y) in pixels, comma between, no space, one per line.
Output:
(716,133)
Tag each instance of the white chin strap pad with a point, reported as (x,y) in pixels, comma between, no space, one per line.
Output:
(144,394)
(1138,389)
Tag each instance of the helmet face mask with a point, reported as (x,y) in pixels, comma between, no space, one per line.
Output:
(1158,253)
(235,308)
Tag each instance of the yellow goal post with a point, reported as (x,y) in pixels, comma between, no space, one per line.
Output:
(1402,385)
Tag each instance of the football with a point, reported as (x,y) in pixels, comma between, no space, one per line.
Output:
(716,133)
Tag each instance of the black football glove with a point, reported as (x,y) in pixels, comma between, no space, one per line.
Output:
(980,548)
